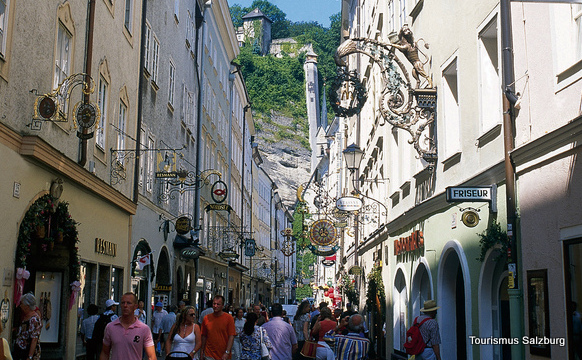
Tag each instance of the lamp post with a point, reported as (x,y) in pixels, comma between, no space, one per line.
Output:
(353,156)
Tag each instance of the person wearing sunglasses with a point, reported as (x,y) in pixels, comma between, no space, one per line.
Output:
(184,336)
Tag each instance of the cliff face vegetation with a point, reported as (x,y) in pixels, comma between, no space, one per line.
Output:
(276,87)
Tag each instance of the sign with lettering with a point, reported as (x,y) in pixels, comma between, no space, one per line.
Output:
(163,287)
(348,203)
(192,252)
(409,243)
(218,207)
(183,225)
(468,193)
(105,247)
(166,165)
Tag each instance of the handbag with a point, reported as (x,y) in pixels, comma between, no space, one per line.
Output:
(265,354)
(309,349)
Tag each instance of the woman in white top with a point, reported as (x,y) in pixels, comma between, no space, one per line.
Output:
(239,323)
(184,335)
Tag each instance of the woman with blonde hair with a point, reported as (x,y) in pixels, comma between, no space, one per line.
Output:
(184,340)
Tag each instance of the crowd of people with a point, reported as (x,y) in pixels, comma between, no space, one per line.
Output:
(220,333)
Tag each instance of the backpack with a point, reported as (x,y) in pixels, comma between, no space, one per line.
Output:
(99,329)
(414,344)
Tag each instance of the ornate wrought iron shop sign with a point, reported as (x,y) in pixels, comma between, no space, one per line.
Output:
(402,104)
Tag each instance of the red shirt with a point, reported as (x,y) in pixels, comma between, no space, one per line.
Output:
(217,330)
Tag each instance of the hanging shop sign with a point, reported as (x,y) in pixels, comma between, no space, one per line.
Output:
(355,270)
(329,260)
(341,224)
(250,247)
(473,194)
(219,191)
(323,250)
(192,252)
(218,207)
(409,243)
(323,232)
(348,203)
(183,225)
(166,165)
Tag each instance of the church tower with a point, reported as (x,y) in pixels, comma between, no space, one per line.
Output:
(312,99)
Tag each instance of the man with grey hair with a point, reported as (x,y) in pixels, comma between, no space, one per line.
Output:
(352,346)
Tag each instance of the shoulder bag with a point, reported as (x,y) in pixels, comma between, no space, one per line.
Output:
(265,354)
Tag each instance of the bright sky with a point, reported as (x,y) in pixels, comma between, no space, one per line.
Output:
(302,10)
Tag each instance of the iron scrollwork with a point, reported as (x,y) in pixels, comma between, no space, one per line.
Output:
(402,105)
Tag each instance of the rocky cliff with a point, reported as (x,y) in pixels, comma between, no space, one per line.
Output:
(286,160)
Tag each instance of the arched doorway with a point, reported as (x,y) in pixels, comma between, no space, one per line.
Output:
(421,286)
(163,286)
(454,299)
(494,306)
(47,261)
(140,276)
(400,301)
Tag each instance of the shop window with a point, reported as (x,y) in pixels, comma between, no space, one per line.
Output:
(103,286)
(116,283)
(538,311)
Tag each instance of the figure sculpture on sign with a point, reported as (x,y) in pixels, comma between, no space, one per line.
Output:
(410,50)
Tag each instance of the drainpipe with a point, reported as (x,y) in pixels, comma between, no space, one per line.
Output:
(242,193)
(140,101)
(88,60)
(199,66)
(515,292)
(199,72)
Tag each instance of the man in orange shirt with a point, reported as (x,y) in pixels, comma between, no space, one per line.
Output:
(219,328)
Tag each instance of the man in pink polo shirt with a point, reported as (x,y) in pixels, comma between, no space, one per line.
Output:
(126,338)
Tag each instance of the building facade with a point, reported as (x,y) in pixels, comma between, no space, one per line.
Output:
(51,158)
(495,273)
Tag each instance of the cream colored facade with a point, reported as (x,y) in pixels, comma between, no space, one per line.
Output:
(36,159)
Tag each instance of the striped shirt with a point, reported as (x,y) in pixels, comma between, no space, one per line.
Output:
(351,347)
(429,331)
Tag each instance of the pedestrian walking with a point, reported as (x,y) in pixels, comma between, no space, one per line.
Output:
(208,310)
(87,327)
(239,323)
(184,336)
(251,339)
(322,325)
(157,329)
(140,311)
(301,325)
(126,338)
(27,345)
(352,346)
(281,334)
(108,316)
(219,328)
(167,323)
(430,331)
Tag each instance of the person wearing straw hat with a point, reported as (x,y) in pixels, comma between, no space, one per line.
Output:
(429,331)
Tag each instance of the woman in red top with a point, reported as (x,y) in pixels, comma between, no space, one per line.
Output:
(323,324)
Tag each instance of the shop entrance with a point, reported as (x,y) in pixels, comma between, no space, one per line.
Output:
(454,303)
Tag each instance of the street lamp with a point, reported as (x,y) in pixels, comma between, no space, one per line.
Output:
(353,156)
